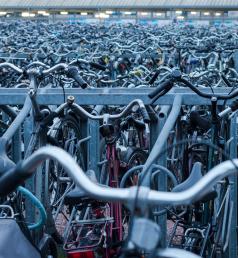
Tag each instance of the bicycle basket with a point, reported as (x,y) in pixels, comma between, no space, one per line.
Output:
(88,234)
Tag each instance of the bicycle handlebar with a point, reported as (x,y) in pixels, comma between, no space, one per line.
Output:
(26,168)
(82,112)
(98,66)
(164,86)
(208,95)
(92,64)
(12,66)
(74,73)
(177,76)
(55,68)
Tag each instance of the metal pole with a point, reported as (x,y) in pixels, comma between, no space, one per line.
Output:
(162,177)
(94,146)
(164,134)
(28,129)
(233,179)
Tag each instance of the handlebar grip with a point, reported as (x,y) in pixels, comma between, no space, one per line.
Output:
(145,114)
(154,77)
(160,88)
(10,180)
(98,66)
(74,73)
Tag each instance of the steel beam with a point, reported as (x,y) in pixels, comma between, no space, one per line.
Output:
(108,96)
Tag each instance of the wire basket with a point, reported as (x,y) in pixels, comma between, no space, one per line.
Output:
(189,238)
(88,234)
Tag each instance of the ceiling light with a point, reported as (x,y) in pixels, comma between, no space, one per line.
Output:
(84,14)
(178,12)
(206,13)
(102,15)
(41,12)
(25,14)
(64,13)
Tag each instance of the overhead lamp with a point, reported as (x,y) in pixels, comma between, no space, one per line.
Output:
(218,14)
(206,13)
(158,14)
(64,13)
(128,13)
(41,12)
(25,14)
(2,13)
(144,14)
(44,13)
(84,14)
(193,13)
(32,15)
(180,17)
(102,15)
(109,12)
(178,12)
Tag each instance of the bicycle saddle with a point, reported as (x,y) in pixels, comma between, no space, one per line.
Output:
(196,120)
(78,195)
(195,175)
(106,130)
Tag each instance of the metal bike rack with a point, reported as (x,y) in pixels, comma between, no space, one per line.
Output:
(119,96)
(106,96)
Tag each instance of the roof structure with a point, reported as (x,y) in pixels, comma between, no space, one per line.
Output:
(119,4)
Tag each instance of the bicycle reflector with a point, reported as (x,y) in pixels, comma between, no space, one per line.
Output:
(84,254)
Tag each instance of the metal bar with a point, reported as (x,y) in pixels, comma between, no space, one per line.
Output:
(166,123)
(113,96)
(16,124)
(164,134)
(94,146)
(162,177)
(29,184)
(16,146)
(233,179)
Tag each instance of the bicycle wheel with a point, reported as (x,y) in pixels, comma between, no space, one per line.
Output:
(66,134)
(134,157)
